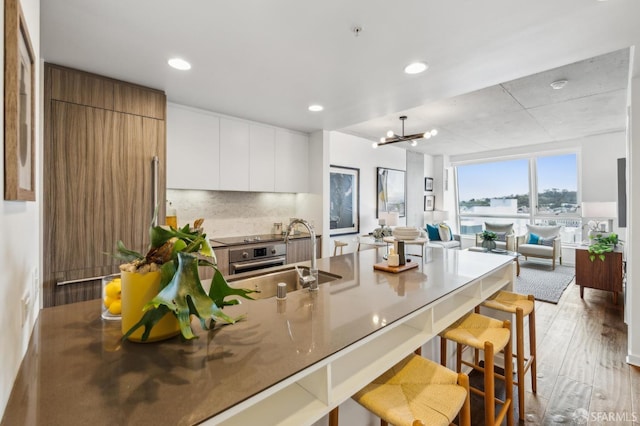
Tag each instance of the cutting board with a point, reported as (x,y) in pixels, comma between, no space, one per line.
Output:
(382,266)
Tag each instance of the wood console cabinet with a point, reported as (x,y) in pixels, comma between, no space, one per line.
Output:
(602,275)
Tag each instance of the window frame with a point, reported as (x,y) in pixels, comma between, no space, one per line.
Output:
(532,217)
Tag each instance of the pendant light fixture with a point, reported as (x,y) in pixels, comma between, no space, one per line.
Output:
(413,139)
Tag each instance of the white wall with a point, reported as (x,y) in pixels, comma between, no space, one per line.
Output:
(19,243)
(632,308)
(352,151)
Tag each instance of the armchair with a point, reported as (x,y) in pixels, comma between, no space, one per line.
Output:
(541,241)
(506,237)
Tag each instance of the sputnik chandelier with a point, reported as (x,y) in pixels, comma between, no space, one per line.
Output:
(413,139)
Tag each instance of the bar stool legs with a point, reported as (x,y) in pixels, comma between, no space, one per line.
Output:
(491,336)
(521,306)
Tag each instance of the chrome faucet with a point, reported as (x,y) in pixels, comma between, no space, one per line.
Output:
(310,280)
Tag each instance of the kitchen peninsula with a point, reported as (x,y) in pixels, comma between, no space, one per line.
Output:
(290,361)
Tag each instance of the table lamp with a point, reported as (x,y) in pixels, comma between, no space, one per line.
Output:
(602,213)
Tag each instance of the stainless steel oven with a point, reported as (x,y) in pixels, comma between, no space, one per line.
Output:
(256,256)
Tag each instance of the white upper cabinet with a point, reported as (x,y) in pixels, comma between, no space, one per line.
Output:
(234,155)
(292,162)
(209,152)
(262,157)
(193,149)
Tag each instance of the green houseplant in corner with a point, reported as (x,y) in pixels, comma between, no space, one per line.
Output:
(171,267)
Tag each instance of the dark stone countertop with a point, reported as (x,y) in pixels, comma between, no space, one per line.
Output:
(77,371)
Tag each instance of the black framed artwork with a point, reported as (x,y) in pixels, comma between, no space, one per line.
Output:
(344,203)
(391,191)
(429,202)
(428,184)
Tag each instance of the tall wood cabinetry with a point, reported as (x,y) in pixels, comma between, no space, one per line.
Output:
(100,138)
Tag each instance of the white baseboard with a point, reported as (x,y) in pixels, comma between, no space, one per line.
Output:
(633,360)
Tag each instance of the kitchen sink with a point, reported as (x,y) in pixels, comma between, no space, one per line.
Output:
(267,283)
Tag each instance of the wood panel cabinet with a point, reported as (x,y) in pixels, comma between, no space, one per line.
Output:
(81,88)
(136,100)
(599,274)
(98,187)
(299,249)
(193,149)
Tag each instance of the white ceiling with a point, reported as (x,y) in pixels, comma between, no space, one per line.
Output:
(268,60)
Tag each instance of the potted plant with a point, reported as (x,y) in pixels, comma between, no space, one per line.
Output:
(165,283)
(602,244)
(489,239)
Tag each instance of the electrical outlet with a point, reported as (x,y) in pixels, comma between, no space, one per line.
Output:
(25,304)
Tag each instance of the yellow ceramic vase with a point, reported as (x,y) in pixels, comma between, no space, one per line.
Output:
(137,290)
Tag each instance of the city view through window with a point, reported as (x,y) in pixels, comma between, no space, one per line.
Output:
(503,192)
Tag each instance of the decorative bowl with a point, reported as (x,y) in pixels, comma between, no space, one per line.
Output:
(406,233)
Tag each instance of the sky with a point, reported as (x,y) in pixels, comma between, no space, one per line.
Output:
(493,180)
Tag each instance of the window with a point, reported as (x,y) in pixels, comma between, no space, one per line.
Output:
(542,190)
(557,185)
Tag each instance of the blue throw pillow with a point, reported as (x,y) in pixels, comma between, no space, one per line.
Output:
(501,236)
(433,232)
(533,239)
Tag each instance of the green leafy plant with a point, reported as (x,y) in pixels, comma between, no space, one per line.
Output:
(178,253)
(601,245)
(489,236)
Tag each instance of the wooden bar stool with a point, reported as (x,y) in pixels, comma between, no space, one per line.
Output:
(338,245)
(416,392)
(519,305)
(491,336)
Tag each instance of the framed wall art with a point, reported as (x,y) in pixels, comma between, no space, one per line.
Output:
(429,202)
(344,203)
(428,184)
(19,106)
(391,191)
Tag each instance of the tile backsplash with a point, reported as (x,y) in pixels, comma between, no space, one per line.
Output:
(231,213)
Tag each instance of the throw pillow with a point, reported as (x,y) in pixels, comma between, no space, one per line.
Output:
(546,241)
(501,236)
(533,239)
(433,232)
(445,232)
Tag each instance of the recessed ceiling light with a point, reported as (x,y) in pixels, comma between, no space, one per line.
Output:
(559,84)
(316,108)
(415,68)
(179,64)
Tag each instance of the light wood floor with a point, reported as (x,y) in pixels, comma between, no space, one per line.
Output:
(582,345)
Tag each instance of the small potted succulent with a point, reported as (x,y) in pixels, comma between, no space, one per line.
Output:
(489,239)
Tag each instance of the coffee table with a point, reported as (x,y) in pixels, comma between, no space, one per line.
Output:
(513,254)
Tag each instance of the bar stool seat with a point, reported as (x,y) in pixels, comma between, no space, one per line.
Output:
(491,336)
(417,389)
(519,305)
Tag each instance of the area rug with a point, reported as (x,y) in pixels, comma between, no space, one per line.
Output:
(545,285)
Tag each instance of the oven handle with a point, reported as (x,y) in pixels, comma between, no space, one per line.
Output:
(239,267)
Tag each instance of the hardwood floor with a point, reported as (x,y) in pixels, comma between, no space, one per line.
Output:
(582,345)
